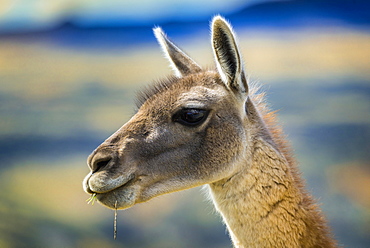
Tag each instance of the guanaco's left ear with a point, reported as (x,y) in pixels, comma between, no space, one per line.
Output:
(181,63)
(228,59)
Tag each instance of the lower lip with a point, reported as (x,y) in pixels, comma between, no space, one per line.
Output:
(101,196)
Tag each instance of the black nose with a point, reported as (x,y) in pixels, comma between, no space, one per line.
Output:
(99,161)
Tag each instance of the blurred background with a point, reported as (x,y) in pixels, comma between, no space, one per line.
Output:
(69,73)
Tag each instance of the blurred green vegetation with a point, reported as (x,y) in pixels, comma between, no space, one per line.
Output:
(57,104)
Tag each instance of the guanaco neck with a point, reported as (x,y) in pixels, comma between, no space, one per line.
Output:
(263,206)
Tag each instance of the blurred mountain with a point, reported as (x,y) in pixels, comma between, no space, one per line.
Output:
(306,13)
(272,14)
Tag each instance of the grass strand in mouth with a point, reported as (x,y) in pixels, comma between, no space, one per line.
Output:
(115,221)
(91,199)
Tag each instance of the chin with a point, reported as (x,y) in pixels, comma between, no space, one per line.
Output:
(120,198)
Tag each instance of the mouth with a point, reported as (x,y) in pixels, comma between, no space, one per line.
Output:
(119,196)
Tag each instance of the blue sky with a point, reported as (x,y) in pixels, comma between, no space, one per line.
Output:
(40,14)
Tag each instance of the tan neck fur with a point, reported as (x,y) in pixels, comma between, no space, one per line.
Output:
(263,206)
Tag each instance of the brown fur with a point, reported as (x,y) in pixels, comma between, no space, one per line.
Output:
(318,234)
(235,146)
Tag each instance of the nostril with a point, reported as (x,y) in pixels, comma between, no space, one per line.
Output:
(100,163)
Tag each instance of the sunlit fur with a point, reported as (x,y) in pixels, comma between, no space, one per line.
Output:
(238,150)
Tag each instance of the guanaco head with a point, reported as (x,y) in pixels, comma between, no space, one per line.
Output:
(189,130)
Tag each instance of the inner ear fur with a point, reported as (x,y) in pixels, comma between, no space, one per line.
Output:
(227,56)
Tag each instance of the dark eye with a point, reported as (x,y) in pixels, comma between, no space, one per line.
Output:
(191,117)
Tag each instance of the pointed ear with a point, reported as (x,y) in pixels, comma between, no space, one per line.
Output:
(228,59)
(181,63)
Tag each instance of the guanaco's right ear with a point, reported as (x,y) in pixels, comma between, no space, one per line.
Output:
(228,59)
(181,63)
